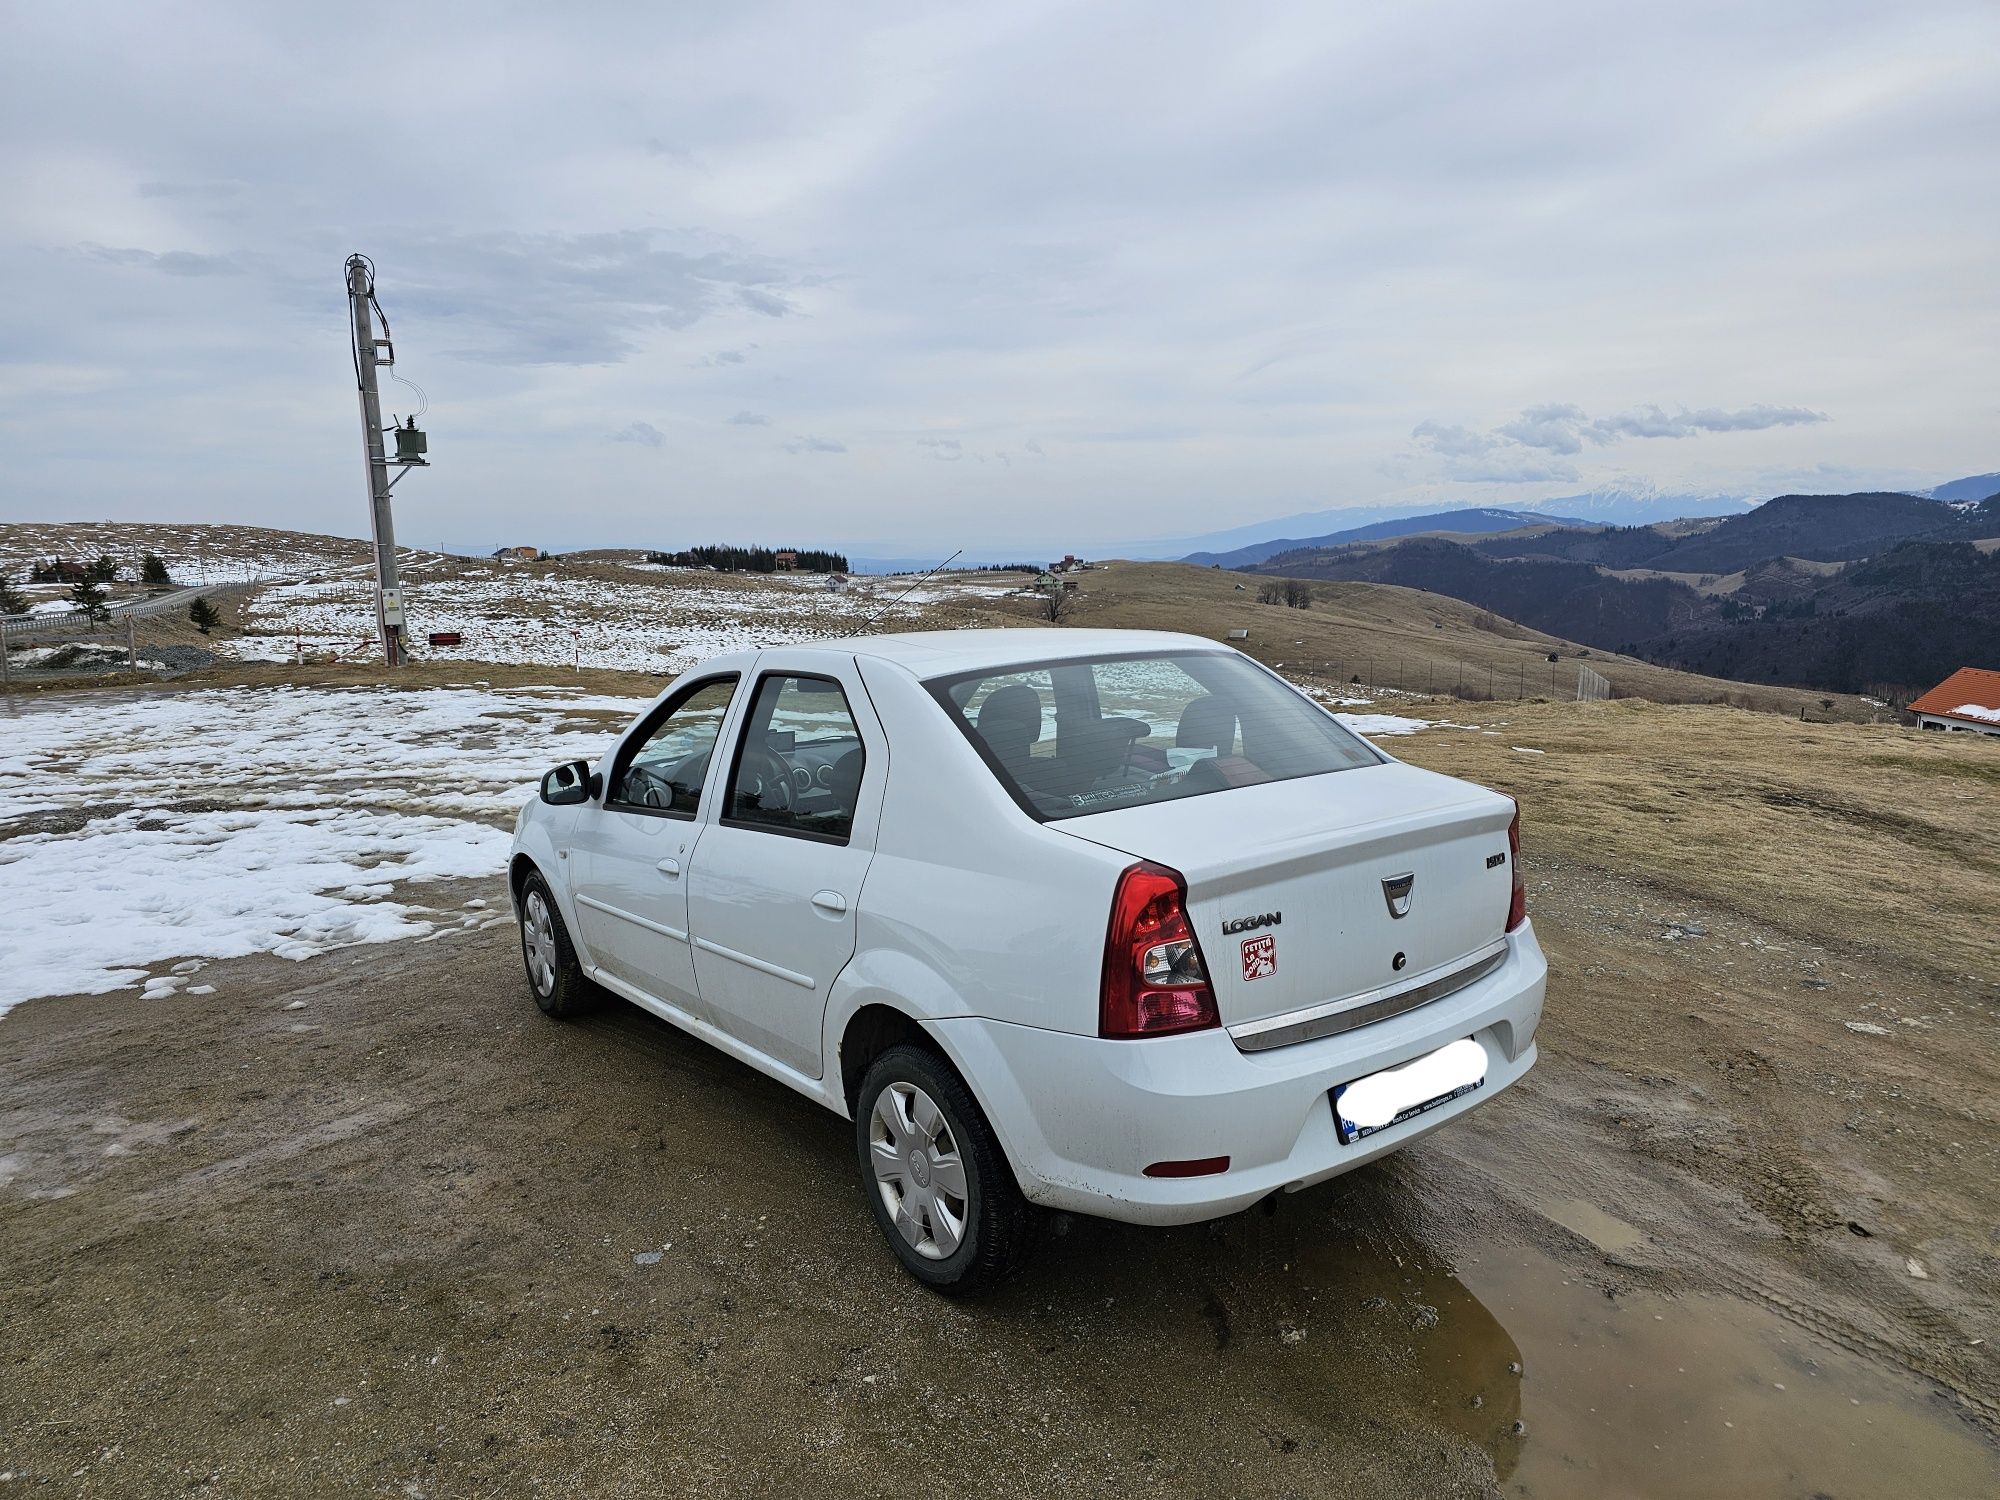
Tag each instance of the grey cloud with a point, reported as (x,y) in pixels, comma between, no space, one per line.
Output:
(768,303)
(1562,430)
(1452,442)
(949,450)
(1650,421)
(724,357)
(640,432)
(171,262)
(580,299)
(805,444)
(1553,426)
(750,419)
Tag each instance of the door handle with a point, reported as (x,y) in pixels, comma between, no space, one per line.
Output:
(830,901)
(669,867)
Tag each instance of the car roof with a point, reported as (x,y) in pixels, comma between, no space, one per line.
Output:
(944,653)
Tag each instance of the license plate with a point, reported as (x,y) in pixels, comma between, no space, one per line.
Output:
(1382,1100)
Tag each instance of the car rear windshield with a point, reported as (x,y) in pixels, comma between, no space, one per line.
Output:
(1075,737)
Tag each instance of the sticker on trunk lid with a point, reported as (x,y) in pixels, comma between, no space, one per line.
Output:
(1260,957)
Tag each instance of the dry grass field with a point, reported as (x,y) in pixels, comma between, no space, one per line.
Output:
(1865,836)
(1403,638)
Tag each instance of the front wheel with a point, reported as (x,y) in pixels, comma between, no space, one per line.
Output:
(554,975)
(937,1182)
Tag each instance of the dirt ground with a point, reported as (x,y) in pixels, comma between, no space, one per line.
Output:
(368,1224)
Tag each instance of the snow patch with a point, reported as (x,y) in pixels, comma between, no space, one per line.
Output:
(259,820)
(1383,723)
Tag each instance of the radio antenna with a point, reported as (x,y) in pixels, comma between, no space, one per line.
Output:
(912,588)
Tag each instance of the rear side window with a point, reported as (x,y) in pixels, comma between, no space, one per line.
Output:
(800,760)
(1075,737)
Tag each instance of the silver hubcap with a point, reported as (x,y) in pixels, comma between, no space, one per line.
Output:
(918,1169)
(538,941)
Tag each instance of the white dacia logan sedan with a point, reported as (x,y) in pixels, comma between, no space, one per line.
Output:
(1111,922)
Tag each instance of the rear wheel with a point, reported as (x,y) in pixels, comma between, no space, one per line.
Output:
(934,1175)
(555,977)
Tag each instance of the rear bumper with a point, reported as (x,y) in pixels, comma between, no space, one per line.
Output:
(1082,1117)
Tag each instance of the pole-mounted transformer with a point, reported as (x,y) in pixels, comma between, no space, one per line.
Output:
(372,349)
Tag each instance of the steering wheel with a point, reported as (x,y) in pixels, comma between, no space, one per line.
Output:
(770,779)
(645,788)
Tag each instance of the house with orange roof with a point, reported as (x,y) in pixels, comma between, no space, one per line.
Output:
(1968,699)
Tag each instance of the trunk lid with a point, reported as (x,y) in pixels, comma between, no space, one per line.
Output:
(1314,854)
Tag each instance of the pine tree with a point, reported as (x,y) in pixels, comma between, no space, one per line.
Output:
(104,570)
(153,570)
(12,600)
(202,614)
(88,596)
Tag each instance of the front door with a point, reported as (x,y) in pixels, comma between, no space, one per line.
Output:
(631,855)
(772,899)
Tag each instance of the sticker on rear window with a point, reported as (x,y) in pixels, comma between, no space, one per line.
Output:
(1260,957)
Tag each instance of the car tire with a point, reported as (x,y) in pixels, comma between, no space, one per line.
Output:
(935,1177)
(555,978)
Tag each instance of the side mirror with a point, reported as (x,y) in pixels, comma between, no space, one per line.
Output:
(570,784)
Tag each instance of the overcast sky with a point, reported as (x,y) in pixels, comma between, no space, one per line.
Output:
(926,276)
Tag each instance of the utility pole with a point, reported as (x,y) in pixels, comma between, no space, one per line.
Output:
(369,353)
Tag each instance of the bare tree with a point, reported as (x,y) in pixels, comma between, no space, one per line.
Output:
(1058,601)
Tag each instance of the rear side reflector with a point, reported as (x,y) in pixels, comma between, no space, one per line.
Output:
(1201,1166)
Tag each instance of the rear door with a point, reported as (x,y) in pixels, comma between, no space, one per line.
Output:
(773,896)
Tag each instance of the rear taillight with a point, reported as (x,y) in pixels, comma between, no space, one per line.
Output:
(1517,905)
(1155,983)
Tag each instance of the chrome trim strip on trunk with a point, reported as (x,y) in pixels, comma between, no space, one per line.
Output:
(1364,1009)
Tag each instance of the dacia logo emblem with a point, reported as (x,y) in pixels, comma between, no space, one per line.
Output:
(1396,891)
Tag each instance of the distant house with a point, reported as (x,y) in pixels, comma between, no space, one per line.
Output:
(518,554)
(1968,699)
(56,571)
(836,583)
(788,562)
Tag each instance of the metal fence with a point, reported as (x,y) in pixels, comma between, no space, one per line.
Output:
(149,638)
(1433,676)
(1591,687)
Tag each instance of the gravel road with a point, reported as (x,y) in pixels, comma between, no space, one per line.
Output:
(368,1224)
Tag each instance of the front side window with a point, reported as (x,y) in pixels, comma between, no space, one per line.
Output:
(799,764)
(1076,737)
(668,770)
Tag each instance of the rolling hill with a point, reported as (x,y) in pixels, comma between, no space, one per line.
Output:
(1474,521)
(1844,592)
(1826,528)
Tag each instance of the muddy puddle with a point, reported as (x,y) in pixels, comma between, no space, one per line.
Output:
(1576,1393)
(1342,1313)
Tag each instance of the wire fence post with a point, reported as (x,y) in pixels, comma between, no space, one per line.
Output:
(132,642)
